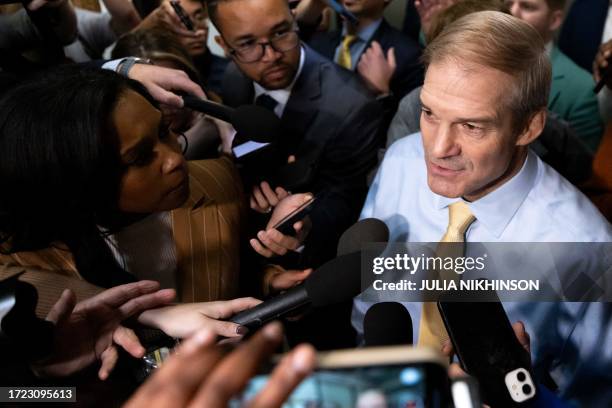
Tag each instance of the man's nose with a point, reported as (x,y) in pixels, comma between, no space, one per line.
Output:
(270,54)
(445,144)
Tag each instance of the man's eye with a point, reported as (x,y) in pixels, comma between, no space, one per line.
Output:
(472,128)
(246,44)
(281,33)
(426,113)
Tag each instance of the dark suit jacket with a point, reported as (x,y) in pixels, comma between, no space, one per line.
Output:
(582,30)
(409,72)
(334,121)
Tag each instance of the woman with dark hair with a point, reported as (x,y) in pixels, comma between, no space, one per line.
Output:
(163,48)
(95,185)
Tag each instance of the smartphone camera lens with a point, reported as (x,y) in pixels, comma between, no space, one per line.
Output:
(526,389)
(521,376)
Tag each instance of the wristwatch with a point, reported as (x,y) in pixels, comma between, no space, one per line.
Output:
(126,64)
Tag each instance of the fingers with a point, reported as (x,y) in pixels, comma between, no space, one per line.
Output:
(260,249)
(276,242)
(291,370)
(376,48)
(258,200)
(119,295)
(447,348)
(270,195)
(231,375)
(139,304)
(281,193)
(162,82)
(178,379)
(108,361)
(62,309)
(228,308)
(391,58)
(455,371)
(127,339)
(288,279)
(522,335)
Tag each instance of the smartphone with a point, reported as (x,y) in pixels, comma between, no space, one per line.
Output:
(285,226)
(397,376)
(488,350)
(180,12)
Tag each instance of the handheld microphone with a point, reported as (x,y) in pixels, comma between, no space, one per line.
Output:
(365,231)
(334,282)
(252,122)
(387,324)
(341,10)
(27,336)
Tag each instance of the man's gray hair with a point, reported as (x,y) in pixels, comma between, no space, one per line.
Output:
(508,44)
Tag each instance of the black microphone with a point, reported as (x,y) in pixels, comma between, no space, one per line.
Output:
(336,281)
(387,324)
(252,122)
(21,332)
(365,231)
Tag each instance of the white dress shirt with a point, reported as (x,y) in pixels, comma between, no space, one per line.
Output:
(536,205)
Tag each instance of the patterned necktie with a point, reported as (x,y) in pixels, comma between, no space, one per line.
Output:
(266,101)
(431,328)
(344,59)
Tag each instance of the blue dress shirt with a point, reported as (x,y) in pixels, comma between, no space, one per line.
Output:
(570,340)
(358,47)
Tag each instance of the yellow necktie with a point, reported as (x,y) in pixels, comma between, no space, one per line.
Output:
(431,328)
(344,59)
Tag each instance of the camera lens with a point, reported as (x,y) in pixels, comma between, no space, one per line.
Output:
(526,389)
(521,376)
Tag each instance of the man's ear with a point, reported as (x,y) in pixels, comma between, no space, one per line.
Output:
(556,19)
(533,129)
(221,42)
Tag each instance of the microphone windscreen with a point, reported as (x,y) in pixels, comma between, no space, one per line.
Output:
(364,231)
(387,324)
(335,281)
(256,123)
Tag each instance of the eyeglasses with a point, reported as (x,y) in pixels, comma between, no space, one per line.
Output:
(253,52)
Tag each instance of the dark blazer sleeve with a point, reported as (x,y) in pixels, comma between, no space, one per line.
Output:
(341,182)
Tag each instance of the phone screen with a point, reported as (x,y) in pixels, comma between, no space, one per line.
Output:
(387,386)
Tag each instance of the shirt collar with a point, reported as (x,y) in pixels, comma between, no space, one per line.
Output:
(366,33)
(496,209)
(282,95)
(549,48)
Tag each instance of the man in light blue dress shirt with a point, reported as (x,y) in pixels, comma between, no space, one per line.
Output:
(484,100)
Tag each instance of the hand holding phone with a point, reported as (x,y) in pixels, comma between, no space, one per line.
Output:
(489,350)
(280,236)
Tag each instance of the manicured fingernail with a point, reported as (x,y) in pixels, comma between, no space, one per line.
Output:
(242,330)
(273,331)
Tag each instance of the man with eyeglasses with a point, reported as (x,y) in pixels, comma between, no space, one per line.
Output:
(327,115)
(328,119)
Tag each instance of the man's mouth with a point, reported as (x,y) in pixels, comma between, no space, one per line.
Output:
(444,171)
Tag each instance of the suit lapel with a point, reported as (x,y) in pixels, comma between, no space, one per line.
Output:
(301,110)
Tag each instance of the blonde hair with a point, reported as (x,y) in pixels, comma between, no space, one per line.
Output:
(505,43)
